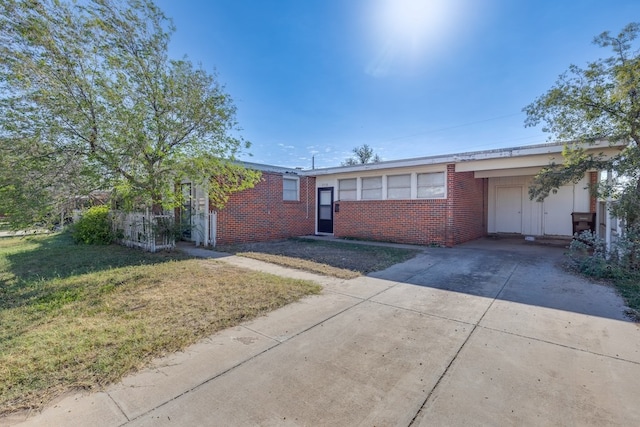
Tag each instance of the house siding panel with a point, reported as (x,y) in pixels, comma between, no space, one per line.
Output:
(259,214)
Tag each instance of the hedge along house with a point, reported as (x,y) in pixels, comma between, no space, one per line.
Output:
(280,206)
(451,199)
(438,200)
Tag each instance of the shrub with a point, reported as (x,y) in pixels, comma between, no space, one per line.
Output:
(620,264)
(591,257)
(94,227)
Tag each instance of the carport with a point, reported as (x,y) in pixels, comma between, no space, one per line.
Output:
(510,172)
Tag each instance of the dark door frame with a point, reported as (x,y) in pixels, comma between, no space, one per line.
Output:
(324,224)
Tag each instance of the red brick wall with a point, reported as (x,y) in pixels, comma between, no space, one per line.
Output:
(459,218)
(259,214)
(420,222)
(466,206)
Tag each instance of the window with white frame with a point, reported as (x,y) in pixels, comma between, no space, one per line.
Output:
(290,189)
(347,189)
(431,185)
(399,187)
(372,188)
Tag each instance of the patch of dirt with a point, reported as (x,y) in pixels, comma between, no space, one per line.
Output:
(350,256)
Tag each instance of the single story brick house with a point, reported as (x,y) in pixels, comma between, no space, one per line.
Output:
(438,200)
(281,205)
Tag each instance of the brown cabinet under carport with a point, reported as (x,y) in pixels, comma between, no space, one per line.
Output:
(583,221)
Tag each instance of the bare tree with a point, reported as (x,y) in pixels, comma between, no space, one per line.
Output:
(362,155)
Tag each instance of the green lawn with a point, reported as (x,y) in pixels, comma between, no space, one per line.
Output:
(77,316)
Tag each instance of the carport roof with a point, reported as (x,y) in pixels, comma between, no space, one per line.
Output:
(471,156)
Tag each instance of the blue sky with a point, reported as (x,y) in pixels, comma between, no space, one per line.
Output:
(410,78)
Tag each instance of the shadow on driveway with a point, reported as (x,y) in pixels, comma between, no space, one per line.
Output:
(509,270)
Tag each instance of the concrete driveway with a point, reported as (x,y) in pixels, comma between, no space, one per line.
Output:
(487,333)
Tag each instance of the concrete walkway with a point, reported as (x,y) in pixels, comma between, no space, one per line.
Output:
(487,333)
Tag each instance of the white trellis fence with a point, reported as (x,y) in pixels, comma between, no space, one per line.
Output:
(144,230)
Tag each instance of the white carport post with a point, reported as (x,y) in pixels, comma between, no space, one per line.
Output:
(607,215)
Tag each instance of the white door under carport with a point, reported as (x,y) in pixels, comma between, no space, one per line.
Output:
(511,210)
(557,209)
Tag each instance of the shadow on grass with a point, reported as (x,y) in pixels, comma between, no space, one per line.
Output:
(28,265)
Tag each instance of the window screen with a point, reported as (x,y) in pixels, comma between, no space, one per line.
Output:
(290,189)
(347,189)
(431,185)
(399,187)
(372,188)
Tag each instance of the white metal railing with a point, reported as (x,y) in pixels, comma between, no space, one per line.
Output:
(144,230)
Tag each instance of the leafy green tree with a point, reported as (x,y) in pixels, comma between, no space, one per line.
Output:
(362,155)
(36,185)
(600,102)
(89,96)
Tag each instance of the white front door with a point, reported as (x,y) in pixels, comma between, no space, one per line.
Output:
(509,209)
(557,209)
